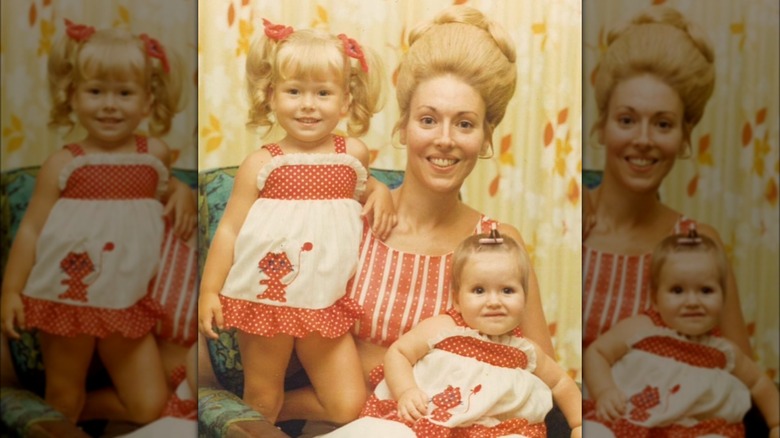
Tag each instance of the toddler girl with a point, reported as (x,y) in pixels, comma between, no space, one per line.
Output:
(288,241)
(470,372)
(666,371)
(81,266)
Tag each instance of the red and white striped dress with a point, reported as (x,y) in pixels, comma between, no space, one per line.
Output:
(100,247)
(615,286)
(398,289)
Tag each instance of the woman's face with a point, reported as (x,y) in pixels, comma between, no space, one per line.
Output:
(643,132)
(445,132)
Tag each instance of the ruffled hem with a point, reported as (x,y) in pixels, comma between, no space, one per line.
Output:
(266,320)
(68,320)
(623,428)
(388,410)
(117,159)
(315,159)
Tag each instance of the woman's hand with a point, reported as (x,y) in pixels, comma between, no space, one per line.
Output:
(181,209)
(12,314)
(209,313)
(412,405)
(611,405)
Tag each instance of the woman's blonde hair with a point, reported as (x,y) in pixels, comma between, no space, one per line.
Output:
(471,245)
(312,54)
(661,42)
(462,42)
(116,54)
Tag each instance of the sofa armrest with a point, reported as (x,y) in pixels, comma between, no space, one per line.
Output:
(223,414)
(27,415)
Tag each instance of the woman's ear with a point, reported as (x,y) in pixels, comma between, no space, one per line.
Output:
(402,135)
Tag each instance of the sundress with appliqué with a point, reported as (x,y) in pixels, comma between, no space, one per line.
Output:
(677,387)
(100,247)
(480,386)
(298,247)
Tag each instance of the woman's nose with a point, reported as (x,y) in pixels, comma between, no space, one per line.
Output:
(444,139)
(643,137)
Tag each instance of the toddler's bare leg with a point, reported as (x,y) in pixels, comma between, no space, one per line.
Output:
(140,388)
(265,363)
(338,391)
(66,361)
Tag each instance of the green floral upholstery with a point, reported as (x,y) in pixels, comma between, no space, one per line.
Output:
(16,188)
(214,187)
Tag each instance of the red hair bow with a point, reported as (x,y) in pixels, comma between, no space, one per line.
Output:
(78,32)
(276,32)
(353,50)
(155,50)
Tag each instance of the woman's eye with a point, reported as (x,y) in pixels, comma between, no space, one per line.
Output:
(465,124)
(427,120)
(625,120)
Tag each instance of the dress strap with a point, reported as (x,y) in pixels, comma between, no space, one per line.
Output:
(340,144)
(684,225)
(274,149)
(141,144)
(74,149)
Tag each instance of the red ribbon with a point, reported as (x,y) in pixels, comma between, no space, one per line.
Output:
(276,32)
(353,50)
(155,50)
(78,32)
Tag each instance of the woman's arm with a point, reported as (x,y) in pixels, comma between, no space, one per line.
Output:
(534,325)
(564,391)
(732,323)
(220,256)
(22,254)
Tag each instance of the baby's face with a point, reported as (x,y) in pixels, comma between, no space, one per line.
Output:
(491,296)
(689,296)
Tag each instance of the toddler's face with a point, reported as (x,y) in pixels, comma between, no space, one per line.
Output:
(491,296)
(689,296)
(110,109)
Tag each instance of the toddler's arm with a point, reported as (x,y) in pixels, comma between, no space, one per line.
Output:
(398,363)
(22,254)
(564,390)
(220,256)
(377,201)
(762,389)
(181,208)
(597,366)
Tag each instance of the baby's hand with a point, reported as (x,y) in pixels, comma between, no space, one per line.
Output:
(12,314)
(611,405)
(181,209)
(380,211)
(412,405)
(209,313)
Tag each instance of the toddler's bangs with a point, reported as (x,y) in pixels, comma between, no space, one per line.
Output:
(315,60)
(118,59)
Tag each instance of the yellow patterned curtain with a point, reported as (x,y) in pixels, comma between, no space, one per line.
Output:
(30,27)
(731,180)
(532,182)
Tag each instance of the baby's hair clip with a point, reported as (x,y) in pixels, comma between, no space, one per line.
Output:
(276,32)
(691,239)
(155,50)
(353,50)
(78,32)
(494,238)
